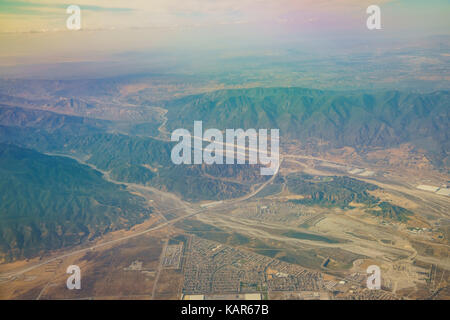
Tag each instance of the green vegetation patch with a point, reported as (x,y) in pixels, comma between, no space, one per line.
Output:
(49,202)
(341,192)
(209,232)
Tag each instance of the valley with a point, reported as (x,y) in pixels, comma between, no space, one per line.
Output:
(275,227)
(344,196)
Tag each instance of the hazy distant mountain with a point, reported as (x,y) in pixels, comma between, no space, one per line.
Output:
(49,121)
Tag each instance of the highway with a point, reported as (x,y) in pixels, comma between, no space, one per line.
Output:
(226,203)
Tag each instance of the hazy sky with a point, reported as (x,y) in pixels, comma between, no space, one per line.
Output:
(34,31)
(50,15)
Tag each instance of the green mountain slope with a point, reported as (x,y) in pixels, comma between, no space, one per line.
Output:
(49,202)
(141,160)
(357,119)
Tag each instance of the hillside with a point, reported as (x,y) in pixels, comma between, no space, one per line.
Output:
(342,192)
(356,119)
(49,121)
(147,161)
(49,202)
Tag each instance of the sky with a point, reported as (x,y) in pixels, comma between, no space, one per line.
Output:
(34,31)
(50,15)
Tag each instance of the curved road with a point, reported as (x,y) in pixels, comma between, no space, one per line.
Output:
(13,274)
